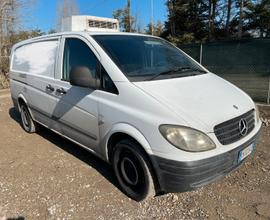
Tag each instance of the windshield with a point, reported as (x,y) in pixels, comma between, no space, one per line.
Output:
(147,58)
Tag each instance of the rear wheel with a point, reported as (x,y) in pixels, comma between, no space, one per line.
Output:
(28,123)
(133,170)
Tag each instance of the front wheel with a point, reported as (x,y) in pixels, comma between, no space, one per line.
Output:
(133,170)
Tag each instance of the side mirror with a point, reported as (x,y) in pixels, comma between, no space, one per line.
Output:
(81,76)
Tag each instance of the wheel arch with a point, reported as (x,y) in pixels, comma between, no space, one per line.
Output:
(23,100)
(126,131)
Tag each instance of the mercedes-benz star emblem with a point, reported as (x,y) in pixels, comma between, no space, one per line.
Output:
(243,127)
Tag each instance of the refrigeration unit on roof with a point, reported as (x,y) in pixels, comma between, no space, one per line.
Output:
(89,23)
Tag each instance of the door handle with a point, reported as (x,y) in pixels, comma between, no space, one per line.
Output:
(49,88)
(61,91)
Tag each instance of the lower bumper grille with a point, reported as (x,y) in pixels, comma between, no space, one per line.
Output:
(235,129)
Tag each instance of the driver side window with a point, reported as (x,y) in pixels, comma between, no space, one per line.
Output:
(78,54)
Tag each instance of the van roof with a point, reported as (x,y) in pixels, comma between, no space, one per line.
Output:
(82,33)
(92,33)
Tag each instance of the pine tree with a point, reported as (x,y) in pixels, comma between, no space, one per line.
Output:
(258,16)
(186,19)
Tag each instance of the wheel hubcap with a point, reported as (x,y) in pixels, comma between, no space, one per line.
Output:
(129,171)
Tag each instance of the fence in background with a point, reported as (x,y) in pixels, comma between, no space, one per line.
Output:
(245,63)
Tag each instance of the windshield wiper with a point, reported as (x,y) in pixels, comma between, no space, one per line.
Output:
(183,69)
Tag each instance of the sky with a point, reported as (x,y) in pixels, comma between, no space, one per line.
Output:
(43,14)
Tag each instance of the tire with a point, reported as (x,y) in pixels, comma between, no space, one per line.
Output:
(138,182)
(27,122)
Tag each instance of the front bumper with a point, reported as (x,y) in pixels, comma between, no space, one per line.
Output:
(176,176)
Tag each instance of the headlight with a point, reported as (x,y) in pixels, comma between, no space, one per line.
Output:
(257,113)
(187,139)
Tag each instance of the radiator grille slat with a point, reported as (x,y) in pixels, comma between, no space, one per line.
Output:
(228,132)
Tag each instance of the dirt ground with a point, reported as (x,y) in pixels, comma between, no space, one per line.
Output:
(43,176)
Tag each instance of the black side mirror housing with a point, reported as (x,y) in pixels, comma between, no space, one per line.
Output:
(81,76)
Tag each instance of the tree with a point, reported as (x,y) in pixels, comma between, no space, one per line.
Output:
(219,17)
(241,18)
(258,16)
(212,7)
(211,20)
(186,18)
(127,22)
(158,29)
(239,24)
(24,35)
(228,17)
(51,31)
(7,22)
(10,23)
(66,8)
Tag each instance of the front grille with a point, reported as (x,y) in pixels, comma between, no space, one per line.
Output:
(229,132)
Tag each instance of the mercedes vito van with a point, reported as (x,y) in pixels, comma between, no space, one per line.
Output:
(163,121)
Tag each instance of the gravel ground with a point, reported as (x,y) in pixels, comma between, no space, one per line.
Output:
(43,176)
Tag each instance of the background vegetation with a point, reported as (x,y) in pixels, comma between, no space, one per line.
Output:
(206,20)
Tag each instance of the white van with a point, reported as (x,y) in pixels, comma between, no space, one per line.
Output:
(164,122)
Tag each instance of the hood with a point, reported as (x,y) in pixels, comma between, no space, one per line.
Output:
(202,101)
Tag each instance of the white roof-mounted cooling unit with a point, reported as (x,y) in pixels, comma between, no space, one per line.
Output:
(89,23)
